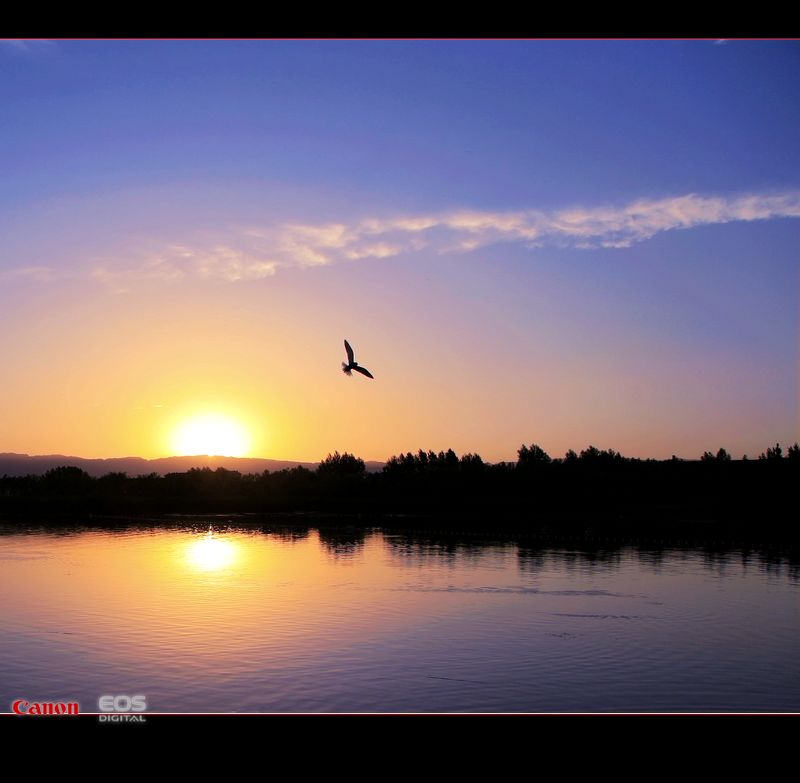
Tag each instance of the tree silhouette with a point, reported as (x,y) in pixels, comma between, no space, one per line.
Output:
(66,479)
(471,464)
(721,456)
(601,483)
(776,453)
(589,454)
(535,455)
(341,465)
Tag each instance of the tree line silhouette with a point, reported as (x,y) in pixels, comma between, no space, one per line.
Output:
(591,488)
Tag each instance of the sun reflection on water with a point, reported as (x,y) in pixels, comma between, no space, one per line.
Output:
(211,553)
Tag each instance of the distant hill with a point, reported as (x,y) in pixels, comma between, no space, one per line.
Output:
(25,465)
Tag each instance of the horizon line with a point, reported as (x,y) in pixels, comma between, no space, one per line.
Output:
(788,443)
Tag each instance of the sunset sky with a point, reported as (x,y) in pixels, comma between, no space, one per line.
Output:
(560,242)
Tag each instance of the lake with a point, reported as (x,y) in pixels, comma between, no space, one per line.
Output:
(232,618)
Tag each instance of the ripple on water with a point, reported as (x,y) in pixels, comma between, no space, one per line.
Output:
(229,619)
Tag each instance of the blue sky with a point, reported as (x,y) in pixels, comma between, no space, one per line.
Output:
(489,123)
(623,212)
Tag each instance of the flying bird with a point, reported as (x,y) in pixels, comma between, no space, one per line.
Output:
(352,364)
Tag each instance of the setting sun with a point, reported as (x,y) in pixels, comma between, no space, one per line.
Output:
(211,434)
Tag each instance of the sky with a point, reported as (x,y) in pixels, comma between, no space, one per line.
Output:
(554,242)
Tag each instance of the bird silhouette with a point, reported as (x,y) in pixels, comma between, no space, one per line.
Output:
(352,364)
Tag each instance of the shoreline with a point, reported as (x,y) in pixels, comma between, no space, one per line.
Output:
(579,530)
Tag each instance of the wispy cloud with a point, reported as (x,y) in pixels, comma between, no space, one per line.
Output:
(257,252)
(177,262)
(39,274)
(27,45)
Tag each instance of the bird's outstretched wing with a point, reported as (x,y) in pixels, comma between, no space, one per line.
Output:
(349,350)
(364,371)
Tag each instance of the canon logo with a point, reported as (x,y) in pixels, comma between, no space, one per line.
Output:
(24,707)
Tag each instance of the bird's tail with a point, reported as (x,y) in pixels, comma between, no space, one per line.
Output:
(346,369)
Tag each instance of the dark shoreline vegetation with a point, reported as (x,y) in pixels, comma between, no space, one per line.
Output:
(583,494)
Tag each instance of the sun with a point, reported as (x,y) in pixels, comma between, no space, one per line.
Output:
(211,434)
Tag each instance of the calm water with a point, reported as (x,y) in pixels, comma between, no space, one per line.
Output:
(229,619)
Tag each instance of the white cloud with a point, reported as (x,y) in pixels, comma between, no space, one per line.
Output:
(377,250)
(258,252)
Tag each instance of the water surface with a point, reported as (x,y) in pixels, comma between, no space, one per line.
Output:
(229,619)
